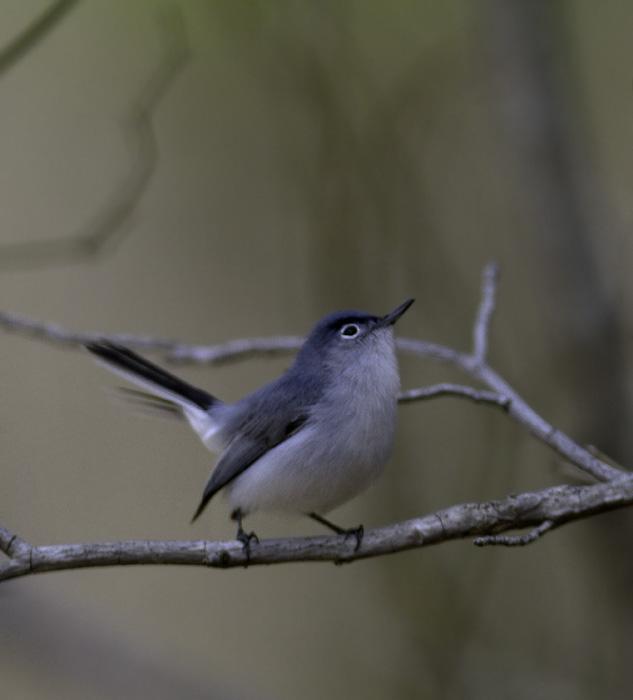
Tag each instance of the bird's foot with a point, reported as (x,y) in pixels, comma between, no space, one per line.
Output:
(356,532)
(245,538)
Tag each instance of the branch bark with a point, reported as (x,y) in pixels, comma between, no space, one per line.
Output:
(541,511)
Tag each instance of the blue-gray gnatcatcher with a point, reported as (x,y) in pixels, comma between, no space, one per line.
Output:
(308,441)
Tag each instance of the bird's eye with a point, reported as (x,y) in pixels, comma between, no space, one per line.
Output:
(350,330)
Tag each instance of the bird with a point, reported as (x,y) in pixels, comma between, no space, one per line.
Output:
(305,443)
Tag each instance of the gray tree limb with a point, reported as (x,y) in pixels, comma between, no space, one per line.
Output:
(542,510)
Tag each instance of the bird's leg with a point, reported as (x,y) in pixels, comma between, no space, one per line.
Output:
(244,537)
(357,532)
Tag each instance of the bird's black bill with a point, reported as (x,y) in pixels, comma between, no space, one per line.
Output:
(391,318)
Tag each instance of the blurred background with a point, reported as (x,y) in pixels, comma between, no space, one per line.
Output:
(205,171)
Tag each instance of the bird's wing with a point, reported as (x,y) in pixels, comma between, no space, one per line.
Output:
(244,450)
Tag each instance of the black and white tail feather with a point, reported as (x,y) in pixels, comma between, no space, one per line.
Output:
(168,396)
(150,404)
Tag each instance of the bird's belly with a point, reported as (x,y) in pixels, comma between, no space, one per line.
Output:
(309,474)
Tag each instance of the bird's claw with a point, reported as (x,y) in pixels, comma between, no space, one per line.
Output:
(356,532)
(245,538)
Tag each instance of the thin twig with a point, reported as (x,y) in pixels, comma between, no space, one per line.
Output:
(236,350)
(518,541)
(518,409)
(486,397)
(556,505)
(232,351)
(486,309)
(56,335)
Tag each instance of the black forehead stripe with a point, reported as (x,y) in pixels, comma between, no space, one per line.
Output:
(345,317)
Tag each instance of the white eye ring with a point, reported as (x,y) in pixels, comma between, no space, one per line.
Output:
(350,330)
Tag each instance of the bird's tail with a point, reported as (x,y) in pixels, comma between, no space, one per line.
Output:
(168,393)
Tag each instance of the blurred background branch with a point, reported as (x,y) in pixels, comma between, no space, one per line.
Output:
(111,222)
(35,32)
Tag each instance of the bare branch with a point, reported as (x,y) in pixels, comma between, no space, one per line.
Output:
(431,392)
(481,329)
(9,541)
(236,350)
(232,351)
(542,510)
(52,333)
(517,408)
(508,541)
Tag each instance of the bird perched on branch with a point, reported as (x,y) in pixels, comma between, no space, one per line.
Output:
(305,443)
